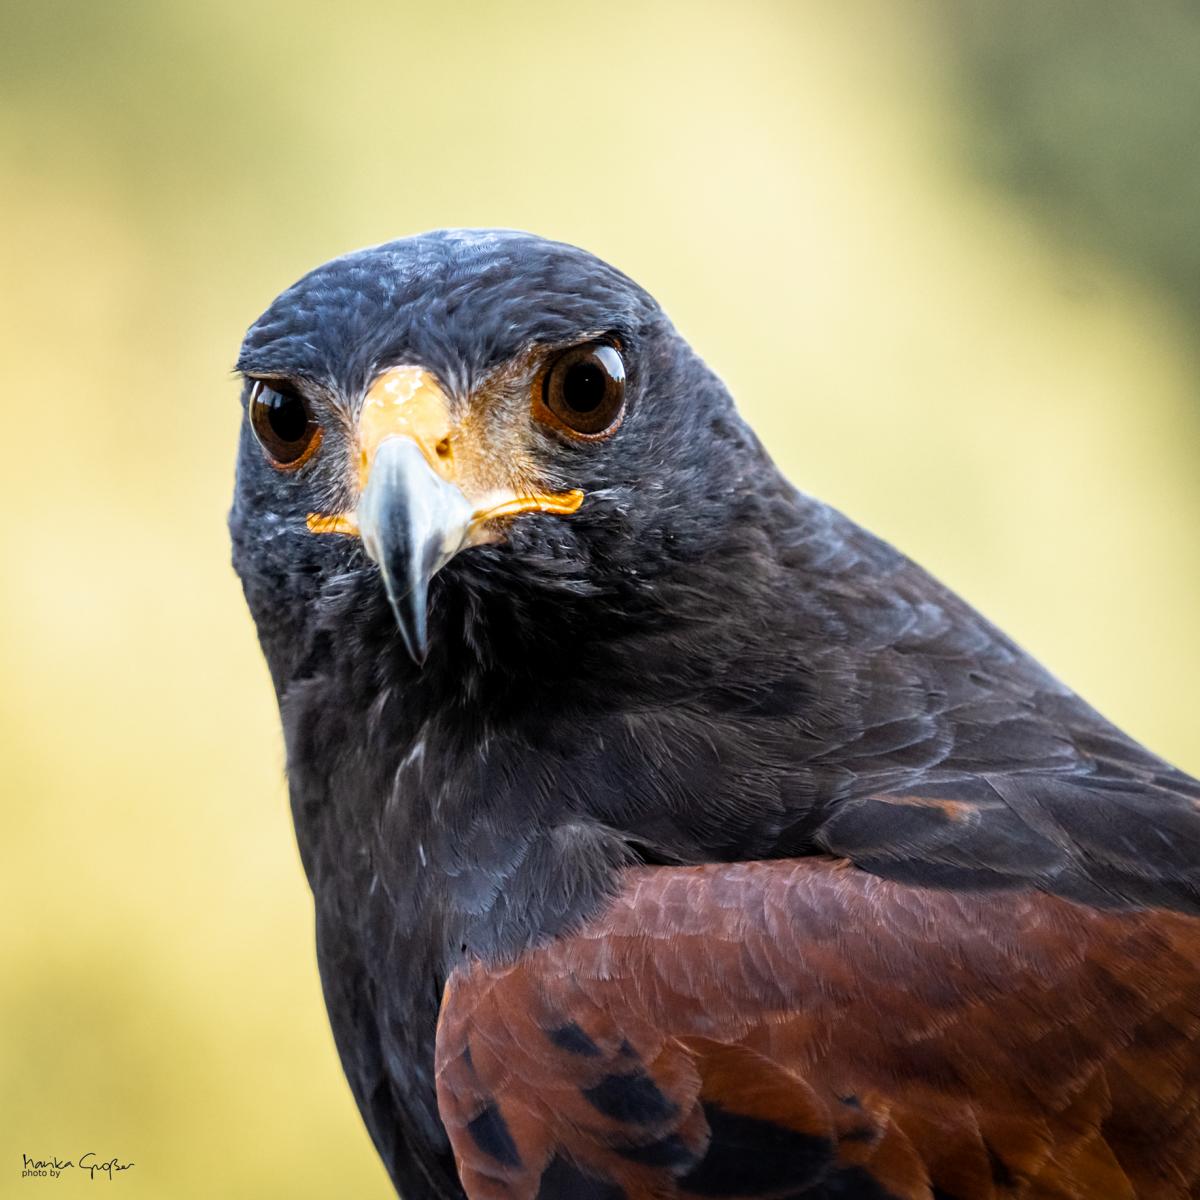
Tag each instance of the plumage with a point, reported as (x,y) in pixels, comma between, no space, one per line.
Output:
(940,1041)
(738,855)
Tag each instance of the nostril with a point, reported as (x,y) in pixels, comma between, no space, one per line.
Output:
(443,447)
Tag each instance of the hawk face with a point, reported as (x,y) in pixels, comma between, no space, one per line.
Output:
(469,424)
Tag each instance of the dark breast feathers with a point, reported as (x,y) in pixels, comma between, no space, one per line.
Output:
(965,968)
(961,965)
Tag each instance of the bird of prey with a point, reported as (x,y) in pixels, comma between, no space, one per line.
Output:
(669,834)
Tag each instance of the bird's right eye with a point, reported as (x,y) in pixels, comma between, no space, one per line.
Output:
(283,423)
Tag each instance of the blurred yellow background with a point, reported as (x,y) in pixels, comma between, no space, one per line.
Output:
(947,256)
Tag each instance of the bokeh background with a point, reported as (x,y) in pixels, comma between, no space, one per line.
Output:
(947,255)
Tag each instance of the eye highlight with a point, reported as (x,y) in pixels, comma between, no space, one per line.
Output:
(583,390)
(283,424)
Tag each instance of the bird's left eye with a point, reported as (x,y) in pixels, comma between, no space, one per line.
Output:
(583,390)
(283,423)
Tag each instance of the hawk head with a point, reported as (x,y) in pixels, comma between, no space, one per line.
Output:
(500,437)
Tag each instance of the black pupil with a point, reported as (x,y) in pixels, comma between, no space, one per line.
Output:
(287,416)
(584,386)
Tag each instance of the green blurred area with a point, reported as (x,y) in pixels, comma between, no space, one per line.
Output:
(947,257)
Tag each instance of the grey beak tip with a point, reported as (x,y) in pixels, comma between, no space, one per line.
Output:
(417,645)
(409,611)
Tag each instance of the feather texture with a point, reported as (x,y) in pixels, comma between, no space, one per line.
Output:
(735,850)
(789,1029)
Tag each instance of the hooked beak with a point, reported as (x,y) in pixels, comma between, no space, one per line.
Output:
(412,522)
(414,513)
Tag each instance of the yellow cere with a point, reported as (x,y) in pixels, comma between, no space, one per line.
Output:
(405,401)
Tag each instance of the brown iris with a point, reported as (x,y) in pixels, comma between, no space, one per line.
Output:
(283,423)
(583,390)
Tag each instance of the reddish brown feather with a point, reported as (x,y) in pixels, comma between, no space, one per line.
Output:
(983,1044)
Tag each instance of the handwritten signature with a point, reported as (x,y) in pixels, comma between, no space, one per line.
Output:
(52,1168)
